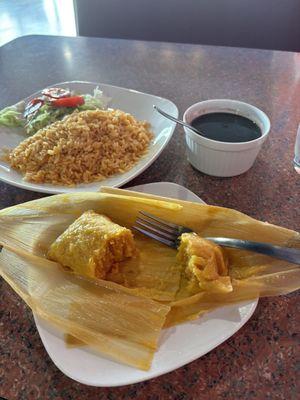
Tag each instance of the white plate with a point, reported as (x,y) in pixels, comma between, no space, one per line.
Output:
(178,345)
(136,103)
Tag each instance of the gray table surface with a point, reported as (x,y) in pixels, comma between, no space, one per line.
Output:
(260,360)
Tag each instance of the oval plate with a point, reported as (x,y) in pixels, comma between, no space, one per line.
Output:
(136,103)
(178,345)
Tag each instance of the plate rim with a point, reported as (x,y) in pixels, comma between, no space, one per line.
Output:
(37,187)
(252,303)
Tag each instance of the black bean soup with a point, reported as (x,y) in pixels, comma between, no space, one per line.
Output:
(226,127)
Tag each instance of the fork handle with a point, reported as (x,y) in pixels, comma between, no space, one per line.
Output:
(283,253)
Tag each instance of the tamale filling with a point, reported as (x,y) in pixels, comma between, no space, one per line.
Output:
(93,245)
(205,264)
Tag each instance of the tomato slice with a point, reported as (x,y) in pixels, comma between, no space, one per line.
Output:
(73,102)
(56,93)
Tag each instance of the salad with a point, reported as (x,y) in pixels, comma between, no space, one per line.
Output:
(52,105)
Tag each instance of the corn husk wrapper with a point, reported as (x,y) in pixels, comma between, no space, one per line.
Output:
(154,278)
(99,313)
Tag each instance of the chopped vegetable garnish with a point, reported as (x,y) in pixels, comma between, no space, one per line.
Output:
(52,105)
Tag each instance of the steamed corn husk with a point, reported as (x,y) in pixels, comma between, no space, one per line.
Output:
(99,313)
(155,276)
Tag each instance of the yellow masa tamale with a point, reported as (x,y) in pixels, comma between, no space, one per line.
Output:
(205,263)
(93,245)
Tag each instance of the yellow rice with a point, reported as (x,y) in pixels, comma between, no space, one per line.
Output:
(85,147)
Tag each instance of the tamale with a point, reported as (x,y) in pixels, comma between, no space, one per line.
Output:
(33,226)
(155,273)
(93,245)
(205,264)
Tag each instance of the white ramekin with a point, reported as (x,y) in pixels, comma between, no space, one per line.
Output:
(220,158)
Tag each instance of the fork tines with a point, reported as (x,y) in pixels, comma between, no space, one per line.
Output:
(158,229)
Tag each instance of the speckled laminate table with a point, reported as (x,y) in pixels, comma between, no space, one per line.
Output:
(260,361)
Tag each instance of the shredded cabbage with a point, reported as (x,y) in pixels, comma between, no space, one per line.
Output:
(46,116)
(97,100)
(12,117)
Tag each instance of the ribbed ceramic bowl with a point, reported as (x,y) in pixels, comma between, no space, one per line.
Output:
(222,158)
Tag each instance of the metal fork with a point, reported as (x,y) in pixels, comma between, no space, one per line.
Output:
(169,234)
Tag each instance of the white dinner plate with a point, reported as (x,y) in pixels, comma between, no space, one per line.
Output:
(177,346)
(139,104)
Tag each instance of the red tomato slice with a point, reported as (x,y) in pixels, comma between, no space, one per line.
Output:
(73,101)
